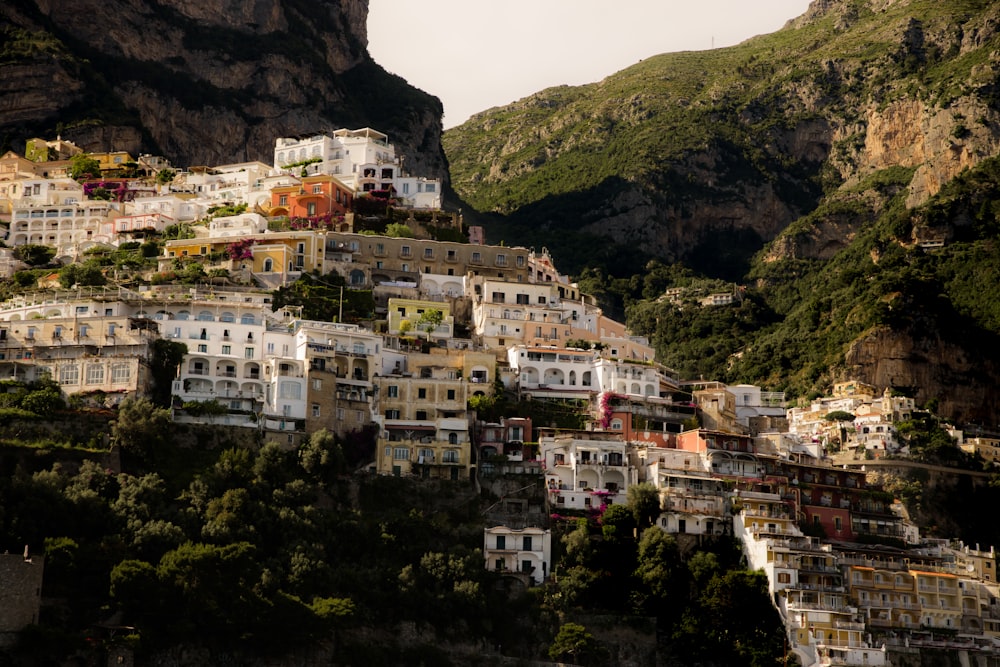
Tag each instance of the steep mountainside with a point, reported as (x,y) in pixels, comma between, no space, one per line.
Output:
(202,82)
(763,164)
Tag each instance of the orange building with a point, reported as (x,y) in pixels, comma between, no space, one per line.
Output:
(313,197)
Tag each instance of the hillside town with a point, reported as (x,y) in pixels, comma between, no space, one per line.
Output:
(447,323)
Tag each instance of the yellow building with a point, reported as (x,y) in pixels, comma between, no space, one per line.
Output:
(280,256)
(393,258)
(112,161)
(939,598)
(405,318)
(423,414)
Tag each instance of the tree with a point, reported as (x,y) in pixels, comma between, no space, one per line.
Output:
(575,644)
(430,320)
(81,274)
(84,166)
(141,427)
(166,357)
(34,254)
(644,501)
(660,568)
(398,230)
(164,176)
(322,456)
(618,523)
(839,416)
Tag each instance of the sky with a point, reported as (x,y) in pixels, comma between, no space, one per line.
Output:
(478,54)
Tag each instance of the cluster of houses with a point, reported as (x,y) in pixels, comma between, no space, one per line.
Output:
(455,321)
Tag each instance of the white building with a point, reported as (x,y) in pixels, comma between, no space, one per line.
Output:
(527,551)
(67,227)
(362,159)
(244,224)
(550,372)
(585,470)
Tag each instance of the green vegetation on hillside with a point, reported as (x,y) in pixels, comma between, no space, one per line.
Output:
(695,159)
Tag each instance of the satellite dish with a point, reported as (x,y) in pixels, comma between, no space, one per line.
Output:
(970,567)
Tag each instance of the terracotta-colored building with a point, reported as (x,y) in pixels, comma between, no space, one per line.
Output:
(314,196)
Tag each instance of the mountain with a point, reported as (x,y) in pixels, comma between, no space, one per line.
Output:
(202,82)
(836,168)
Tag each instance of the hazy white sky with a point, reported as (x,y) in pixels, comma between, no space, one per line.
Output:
(477,54)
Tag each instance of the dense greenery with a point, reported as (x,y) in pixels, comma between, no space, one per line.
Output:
(326,299)
(265,550)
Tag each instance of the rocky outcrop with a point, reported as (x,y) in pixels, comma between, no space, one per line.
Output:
(966,388)
(206,81)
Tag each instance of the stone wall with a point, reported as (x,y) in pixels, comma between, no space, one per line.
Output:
(20,593)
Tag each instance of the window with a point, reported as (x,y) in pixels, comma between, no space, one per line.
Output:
(359,416)
(392,414)
(317,384)
(227,349)
(248,353)
(315,409)
(520,260)
(501,541)
(289,390)
(203,348)
(422,392)
(393,391)
(421,415)
(477,258)
(450,456)
(120,373)
(405,251)
(69,374)
(501,260)
(526,545)
(401,453)
(451,394)
(428,253)
(95,374)
(340,414)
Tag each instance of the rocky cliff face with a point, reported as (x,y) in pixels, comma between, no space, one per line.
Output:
(778,156)
(930,368)
(203,82)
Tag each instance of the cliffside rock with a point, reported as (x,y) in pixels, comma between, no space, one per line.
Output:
(967,389)
(204,82)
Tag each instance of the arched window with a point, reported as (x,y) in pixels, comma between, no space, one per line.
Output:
(268,265)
